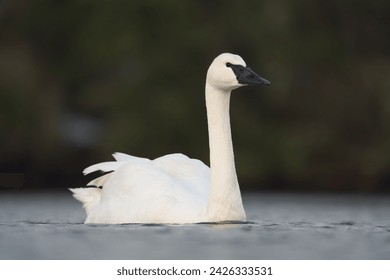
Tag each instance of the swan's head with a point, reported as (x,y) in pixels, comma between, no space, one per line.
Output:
(229,71)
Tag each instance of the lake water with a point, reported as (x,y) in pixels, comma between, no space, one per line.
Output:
(281,226)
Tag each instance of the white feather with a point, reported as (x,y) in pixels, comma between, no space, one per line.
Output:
(89,197)
(126,157)
(99,181)
(103,167)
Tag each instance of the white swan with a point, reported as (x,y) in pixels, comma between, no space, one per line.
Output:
(175,188)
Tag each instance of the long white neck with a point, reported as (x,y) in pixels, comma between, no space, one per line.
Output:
(225,203)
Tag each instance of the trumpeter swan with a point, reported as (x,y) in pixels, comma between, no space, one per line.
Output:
(175,188)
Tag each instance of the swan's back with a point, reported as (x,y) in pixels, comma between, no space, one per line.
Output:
(169,189)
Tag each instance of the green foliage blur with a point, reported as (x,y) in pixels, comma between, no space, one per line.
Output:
(82,79)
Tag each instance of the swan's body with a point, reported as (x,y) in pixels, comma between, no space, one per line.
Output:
(175,188)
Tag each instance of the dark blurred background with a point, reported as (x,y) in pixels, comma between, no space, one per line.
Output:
(82,79)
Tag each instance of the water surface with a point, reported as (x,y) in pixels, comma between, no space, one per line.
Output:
(281,226)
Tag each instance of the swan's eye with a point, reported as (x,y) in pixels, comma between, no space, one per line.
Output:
(228,64)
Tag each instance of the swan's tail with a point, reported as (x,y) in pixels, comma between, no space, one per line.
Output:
(89,197)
